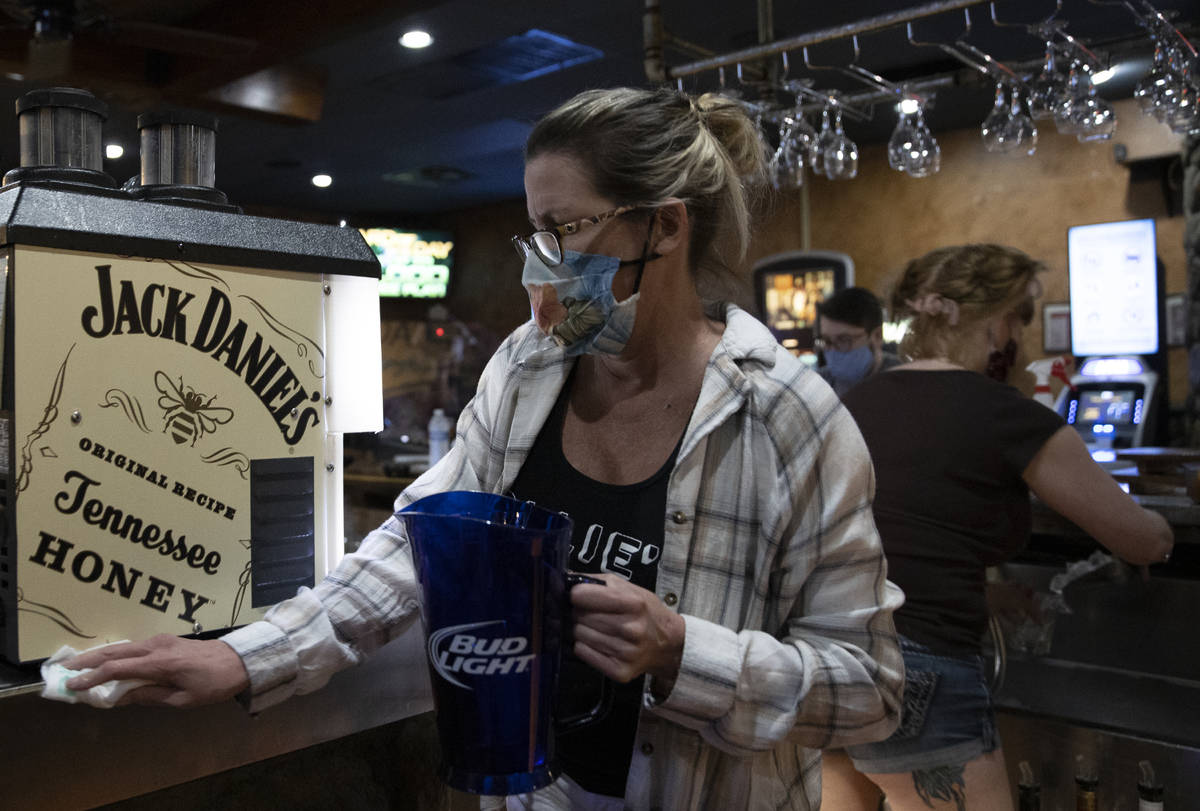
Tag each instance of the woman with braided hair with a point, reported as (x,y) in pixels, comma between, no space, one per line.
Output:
(956,454)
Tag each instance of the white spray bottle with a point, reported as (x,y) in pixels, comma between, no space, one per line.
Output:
(1043,370)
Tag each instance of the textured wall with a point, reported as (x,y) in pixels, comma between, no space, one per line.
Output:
(881,219)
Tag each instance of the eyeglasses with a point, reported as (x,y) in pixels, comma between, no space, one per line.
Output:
(840,343)
(546,243)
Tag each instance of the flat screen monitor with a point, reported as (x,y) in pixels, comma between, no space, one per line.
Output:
(788,287)
(416,264)
(1112,269)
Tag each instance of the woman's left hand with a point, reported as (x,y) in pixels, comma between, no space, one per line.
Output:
(624,630)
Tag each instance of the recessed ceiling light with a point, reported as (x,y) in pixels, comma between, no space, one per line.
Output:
(322,181)
(113,151)
(416,39)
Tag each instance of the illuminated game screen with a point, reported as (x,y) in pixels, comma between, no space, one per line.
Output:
(1113,278)
(416,264)
(1110,407)
(790,304)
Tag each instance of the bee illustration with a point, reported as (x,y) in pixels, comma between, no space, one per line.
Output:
(187,416)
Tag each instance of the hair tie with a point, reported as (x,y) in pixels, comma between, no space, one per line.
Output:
(934,304)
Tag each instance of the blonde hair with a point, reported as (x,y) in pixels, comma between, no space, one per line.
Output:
(949,292)
(646,147)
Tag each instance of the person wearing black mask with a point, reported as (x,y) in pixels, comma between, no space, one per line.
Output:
(956,453)
(851,339)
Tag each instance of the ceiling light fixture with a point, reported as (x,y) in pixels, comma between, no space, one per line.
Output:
(908,106)
(416,39)
(1102,76)
(113,151)
(322,181)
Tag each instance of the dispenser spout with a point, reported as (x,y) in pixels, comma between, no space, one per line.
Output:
(1025,774)
(1149,788)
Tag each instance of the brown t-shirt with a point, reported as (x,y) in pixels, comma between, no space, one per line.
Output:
(949,448)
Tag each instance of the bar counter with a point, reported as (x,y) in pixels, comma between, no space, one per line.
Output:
(1122,666)
(1181,513)
(1120,683)
(64,756)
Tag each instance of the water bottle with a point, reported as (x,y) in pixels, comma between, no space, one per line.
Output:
(439,436)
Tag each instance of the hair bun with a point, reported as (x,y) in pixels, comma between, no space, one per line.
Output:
(726,119)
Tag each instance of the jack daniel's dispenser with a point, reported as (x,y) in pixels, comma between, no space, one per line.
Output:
(176,380)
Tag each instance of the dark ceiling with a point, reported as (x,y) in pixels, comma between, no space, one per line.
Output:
(322,85)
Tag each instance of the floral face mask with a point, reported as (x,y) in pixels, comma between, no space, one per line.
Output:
(573,302)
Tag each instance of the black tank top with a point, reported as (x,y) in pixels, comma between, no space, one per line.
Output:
(619,530)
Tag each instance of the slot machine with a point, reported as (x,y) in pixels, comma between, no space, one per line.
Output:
(1115,290)
(789,286)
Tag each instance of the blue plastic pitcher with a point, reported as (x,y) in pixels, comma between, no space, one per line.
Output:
(494,584)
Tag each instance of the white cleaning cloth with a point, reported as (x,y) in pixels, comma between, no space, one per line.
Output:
(103,695)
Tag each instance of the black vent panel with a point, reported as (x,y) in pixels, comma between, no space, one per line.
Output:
(282,528)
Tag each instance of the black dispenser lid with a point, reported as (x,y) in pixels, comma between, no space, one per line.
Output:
(62,97)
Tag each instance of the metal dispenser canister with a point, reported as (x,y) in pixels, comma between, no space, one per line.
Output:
(178,151)
(176,380)
(60,137)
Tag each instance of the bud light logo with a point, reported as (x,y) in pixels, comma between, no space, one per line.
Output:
(469,649)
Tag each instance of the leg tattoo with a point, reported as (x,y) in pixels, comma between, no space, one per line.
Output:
(943,783)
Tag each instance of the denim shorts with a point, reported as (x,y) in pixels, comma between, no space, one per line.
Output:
(946,720)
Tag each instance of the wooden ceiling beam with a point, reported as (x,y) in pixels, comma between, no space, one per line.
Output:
(284,30)
(229,55)
(288,94)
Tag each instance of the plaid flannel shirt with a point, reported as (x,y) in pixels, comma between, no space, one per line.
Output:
(770,555)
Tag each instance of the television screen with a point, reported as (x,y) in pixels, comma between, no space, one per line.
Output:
(790,297)
(788,288)
(416,264)
(1112,271)
(1106,406)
